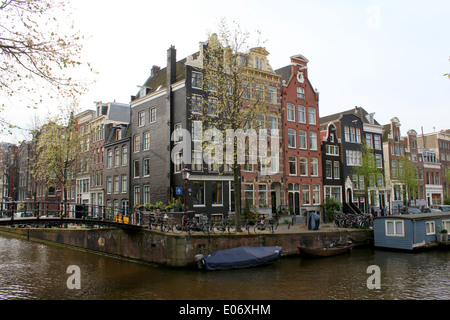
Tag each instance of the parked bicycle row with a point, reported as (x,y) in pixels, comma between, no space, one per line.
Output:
(202,224)
(349,220)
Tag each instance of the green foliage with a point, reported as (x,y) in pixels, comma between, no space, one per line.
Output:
(330,207)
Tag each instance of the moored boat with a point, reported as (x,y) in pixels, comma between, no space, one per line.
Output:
(325,251)
(241,257)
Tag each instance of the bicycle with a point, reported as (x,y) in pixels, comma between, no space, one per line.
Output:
(157,222)
(263,225)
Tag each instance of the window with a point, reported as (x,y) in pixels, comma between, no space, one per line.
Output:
(301,114)
(354,158)
(177,133)
(300,93)
(212,106)
(316,194)
(394,228)
(302,144)
(259,92)
(347,134)
(311,115)
(378,161)
(314,167)
(197,164)
(262,194)
(377,142)
(313,140)
(152,115)
(332,150)
(369,140)
(430,227)
(290,112)
(116,184)
(124,156)
(109,185)
(198,196)
(358,135)
(141,119)
(137,143)
(336,169)
(328,169)
(196,103)
(291,138)
(217,193)
(272,95)
(178,163)
(146,194)
(116,157)
(273,123)
(137,196)
(248,194)
(306,193)
(110,158)
(333,193)
(146,145)
(124,183)
(146,168)
(136,169)
(292,166)
(197,80)
(352,134)
(394,169)
(303,166)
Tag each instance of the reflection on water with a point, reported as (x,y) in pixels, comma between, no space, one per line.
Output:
(29,270)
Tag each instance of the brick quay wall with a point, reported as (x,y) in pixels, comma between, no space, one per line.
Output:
(173,250)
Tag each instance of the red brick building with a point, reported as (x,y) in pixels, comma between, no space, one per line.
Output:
(301,136)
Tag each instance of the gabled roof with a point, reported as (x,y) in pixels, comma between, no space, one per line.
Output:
(358,111)
(159,80)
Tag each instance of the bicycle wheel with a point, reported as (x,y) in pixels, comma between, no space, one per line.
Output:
(178,228)
(218,227)
(259,228)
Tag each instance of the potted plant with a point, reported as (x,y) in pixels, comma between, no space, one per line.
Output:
(444,235)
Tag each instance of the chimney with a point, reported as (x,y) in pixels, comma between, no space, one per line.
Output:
(155,70)
(171,65)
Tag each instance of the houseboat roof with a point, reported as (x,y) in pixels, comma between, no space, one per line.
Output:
(418,216)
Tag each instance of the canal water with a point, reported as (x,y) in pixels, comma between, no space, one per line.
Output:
(34,271)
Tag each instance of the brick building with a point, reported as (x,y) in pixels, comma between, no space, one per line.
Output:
(301,135)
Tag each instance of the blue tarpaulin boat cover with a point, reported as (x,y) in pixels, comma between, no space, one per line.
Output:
(241,257)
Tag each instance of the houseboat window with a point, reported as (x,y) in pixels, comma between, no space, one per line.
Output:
(446,224)
(394,228)
(430,227)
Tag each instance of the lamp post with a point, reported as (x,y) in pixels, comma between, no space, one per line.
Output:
(185,174)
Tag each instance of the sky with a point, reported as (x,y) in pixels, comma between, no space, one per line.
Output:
(388,57)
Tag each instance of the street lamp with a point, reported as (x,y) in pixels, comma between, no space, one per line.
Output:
(185,174)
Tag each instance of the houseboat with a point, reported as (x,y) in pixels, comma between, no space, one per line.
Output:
(410,231)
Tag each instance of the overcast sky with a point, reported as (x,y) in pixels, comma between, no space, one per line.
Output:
(388,57)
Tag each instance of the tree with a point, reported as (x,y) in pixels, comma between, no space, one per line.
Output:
(58,145)
(226,108)
(368,171)
(38,53)
(408,176)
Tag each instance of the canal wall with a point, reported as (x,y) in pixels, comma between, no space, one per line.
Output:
(179,250)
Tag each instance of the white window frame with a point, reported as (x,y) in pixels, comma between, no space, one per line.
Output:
(153,115)
(395,233)
(290,112)
(430,228)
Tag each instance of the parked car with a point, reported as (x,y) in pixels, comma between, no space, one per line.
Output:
(444,208)
(431,210)
(414,210)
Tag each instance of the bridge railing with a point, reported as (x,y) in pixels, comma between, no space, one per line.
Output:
(18,210)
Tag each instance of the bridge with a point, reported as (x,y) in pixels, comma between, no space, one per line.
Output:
(53,214)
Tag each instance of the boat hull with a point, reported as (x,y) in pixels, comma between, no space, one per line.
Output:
(241,257)
(324,252)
